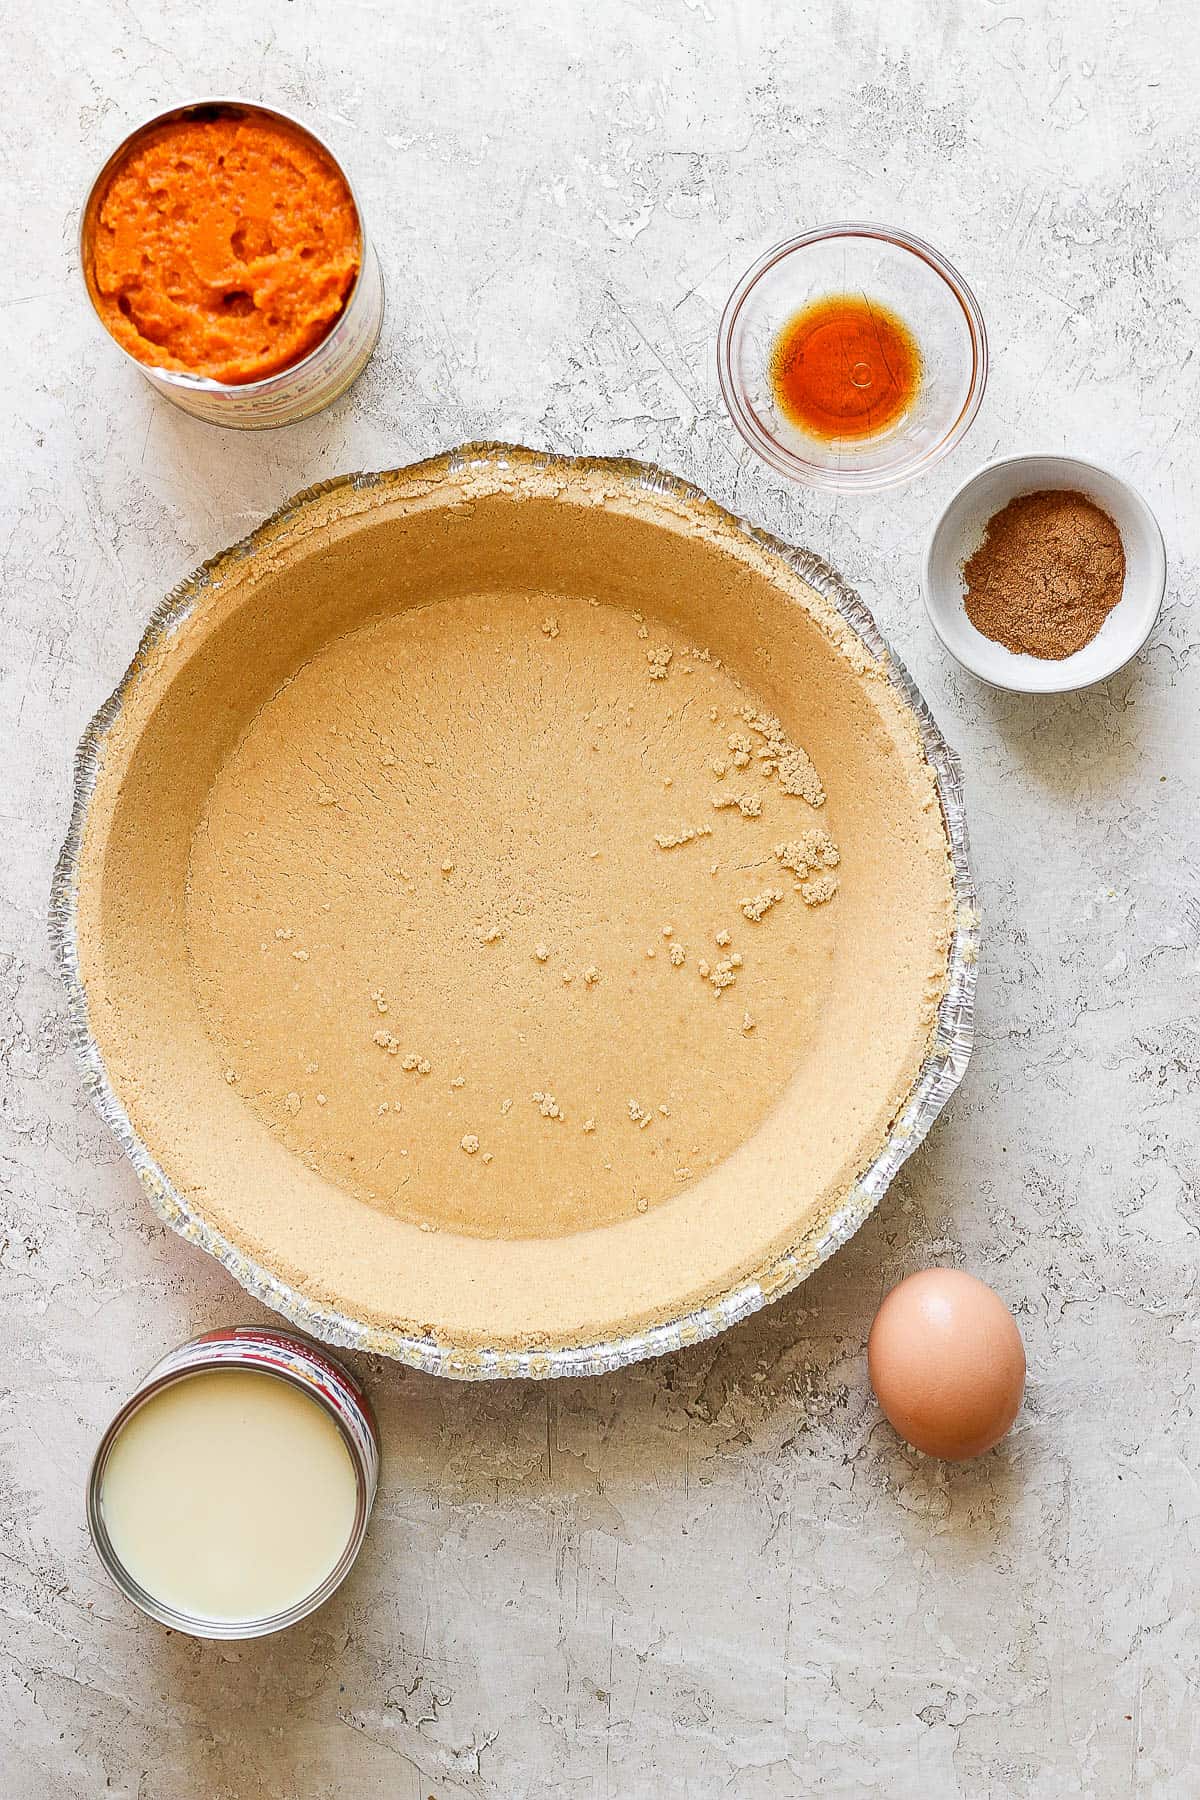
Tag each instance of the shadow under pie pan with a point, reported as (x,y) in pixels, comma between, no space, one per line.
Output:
(516,915)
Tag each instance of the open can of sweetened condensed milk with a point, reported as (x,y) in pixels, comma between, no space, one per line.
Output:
(322,371)
(230,1495)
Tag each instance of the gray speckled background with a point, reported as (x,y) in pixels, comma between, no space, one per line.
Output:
(718,1575)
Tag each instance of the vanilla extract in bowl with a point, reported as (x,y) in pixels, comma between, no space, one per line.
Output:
(845,367)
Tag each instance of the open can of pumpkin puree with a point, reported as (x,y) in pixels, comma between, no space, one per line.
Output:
(225,251)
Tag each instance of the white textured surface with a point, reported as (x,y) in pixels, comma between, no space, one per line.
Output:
(717,1575)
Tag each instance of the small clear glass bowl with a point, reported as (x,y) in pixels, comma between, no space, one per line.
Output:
(900,273)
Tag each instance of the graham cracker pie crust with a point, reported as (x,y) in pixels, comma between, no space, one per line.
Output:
(512,906)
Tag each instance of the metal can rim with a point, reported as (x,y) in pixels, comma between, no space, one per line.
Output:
(164,1374)
(204,384)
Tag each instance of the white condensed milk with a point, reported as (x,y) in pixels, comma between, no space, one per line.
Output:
(230,1495)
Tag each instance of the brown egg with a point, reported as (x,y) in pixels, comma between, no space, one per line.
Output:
(947,1363)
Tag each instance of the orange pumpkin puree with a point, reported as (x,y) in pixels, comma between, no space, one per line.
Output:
(224,245)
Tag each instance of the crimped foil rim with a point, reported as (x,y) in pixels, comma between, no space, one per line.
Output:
(938,1077)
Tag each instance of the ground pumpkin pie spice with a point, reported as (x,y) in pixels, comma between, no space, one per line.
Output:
(1049,571)
(434,976)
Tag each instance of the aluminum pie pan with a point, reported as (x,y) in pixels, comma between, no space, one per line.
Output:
(936,1080)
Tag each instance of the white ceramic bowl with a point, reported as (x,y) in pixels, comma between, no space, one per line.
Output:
(959,532)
